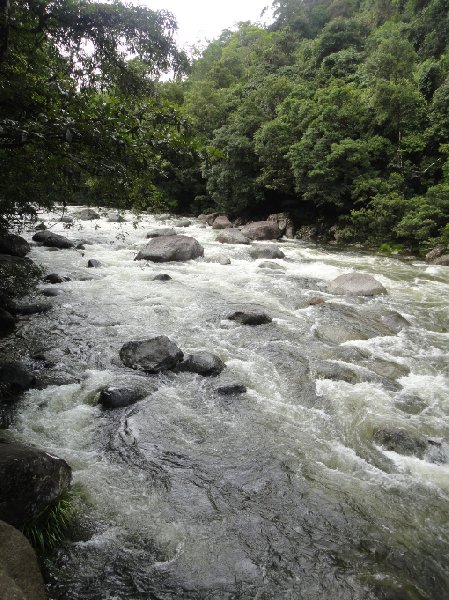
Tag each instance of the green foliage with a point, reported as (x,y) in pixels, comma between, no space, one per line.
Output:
(19,280)
(48,529)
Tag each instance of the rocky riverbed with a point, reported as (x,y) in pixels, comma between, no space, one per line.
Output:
(297,449)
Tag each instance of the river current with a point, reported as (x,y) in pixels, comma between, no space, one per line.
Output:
(278,493)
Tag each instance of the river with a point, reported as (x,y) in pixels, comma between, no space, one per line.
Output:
(278,493)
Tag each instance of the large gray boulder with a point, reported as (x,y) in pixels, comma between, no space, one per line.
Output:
(31,480)
(20,578)
(182,223)
(10,243)
(443,261)
(232,236)
(203,363)
(356,284)
(262,230)
(52,240)
(266,252)
(161,232)
(153,355)
(222,222)
(87,214)
(171,248)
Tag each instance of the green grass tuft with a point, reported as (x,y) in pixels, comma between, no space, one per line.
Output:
(48,529)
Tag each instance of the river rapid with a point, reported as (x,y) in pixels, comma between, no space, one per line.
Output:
(278,493)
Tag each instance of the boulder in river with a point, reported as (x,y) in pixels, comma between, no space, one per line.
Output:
(232,236)
(87,214)
(267,264)
(356,284)
(271,252)
(7,323)
(436,252)
(116,218)
(31,480)
(56,278)
(250,317)
(118,397)
(400,441)
(162,231)
(93,263)
(442,261)
(182,223)
(262,230)
(40,227)
(15,378)
(231,389)
(66,219)
(203,363)
(162,277)
(10,243)
(153,355)
(52,240)
(284,222)
(20,577)
(171,248)
(222,222)
(51,292)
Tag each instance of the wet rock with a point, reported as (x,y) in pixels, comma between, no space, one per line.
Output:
(325,369)
(211,218)
(153,355)
(182,223)
(93,263)
(32,308)
(87,214)
(15,378)
(56,278)
(52,292)
(118,397)
(66,219)
(270,252)
(161,232)
(412,405)
(52,240)
(250,318)
(356,284)
(20,577)
(400,441)
(10,262)
(177,248)
(13,244)
(162,277)
(222,222)
(7,323)
(387,369)
(40,227)
(232,236)
(442,261)
(203,363)
(266,264)
(284,223)
(31,479)
(80,247)
(231,389)
(116,218)
(436,252)
(262,230)
(315,300)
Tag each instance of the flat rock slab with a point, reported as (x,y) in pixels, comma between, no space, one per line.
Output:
(153,355)
(203,363)
(250,318)
(172,248)
(232,236)
(52,240)
(356,284)
(262,230)
(31,481)
(161,232)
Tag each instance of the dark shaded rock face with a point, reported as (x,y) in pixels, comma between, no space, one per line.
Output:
(93,263)
(154,355)
(203,363)
(262,230)
(87,214)
(270,252)
(7,323)
(250,318)
(231,389)
(118,397)
(52,240)
(13,244)
(222,222)
(15,378)
(356,284)
(173,248)
(162,277)
(56,278)
(163,231)
(232,236)
(31,481)
(20,578)
(400,441)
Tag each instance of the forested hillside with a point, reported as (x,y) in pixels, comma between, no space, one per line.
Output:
(337,113)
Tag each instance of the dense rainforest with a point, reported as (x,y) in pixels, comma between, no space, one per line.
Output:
(337,113)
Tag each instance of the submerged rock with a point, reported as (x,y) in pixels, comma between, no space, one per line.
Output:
(56,278)
(262,230)
(232,236)
(118,397)
(161,232)
(400,441)
(20,578)
(356,284)
(116,218)
(52,240)
(231,389)
(266,264)
(162,277)
(88,214)
(153,355)
(250,317)
(13,244)
(178,248)
(51,292)
(31,480)
(203,363)
(270,252)
(182,223)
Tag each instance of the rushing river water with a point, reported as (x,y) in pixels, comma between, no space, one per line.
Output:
(279,493)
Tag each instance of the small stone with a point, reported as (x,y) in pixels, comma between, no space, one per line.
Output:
(93,263)
(229,390)
(316,300)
